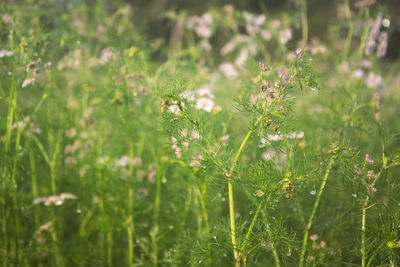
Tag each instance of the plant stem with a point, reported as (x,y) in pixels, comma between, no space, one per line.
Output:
(230,194)
(130,224)
(351,29)
(157,199)
(304,21)
(310,220)
(273,248)
(363,219)
(105,219)
(253,222)
(12,102)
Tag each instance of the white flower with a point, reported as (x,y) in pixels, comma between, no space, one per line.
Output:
(123,161)
(174,109)
(266,35)
(285,35)
(205,104)
(241,59)
(228,70)
(28,82)
(205,91)
(374,80)
(268,155)
(6,53)
(227,48)
(187,95)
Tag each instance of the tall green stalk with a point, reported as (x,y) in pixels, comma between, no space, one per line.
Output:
(364,215)
(230,195)
(12,103)
(304,21)
(314,210)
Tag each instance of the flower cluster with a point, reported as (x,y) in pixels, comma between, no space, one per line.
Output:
(54,200)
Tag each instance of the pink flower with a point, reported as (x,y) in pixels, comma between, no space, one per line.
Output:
(314,237)
(369,159)
(371,188)
(371,175)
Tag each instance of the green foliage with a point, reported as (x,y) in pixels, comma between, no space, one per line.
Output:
(231,142)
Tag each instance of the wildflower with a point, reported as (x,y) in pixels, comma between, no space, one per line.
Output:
(314,237)
(70,161)
(83,170)
(374,80)
(125,173)
(358,74)
(201,25)
(371,188)
(54,200)
(285,35)
(241,59)
(123,161)
(174,109)
(205,91)
(6,53)
(70,133)
(268,155)
(357,172)
(373,35)
(275,23)
(368,159)
(371,175)
(228,70)
(227,48)
(102,160)
(106,55)
(206,45)
(136,162)
(224,139)
(382,45)
(8,19)
(196,161)
(140,174)
(263,66)
(266,35)
(196,135)
(144,90)
(28,82)
(152,176)
(142,193)
(69,149)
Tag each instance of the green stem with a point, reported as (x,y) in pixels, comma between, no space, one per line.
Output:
(351,29)
(364,37)
(363,219)
(105,219)
(310,220)
(130,224)
(12,103)
(157,199)
(249,231)
(273,248)
(230,194)
(304,22)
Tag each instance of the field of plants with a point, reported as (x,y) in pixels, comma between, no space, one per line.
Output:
(173,133)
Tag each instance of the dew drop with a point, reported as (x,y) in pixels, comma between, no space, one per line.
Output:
(289,253)
(313,192)
(214,237)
